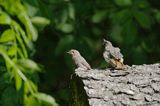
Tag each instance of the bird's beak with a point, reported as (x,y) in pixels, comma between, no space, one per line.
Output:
(69,52)
(104,41)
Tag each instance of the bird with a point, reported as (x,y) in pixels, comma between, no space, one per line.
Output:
(112,55)
(79,60)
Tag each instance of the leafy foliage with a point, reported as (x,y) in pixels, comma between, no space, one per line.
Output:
(18,72)
(132,25)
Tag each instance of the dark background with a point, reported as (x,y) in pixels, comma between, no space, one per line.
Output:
(131,25)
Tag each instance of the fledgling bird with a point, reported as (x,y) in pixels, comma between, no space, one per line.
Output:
(113,56)
(79,60)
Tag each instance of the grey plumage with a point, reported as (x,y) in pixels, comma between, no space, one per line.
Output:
(112,55)
(116,53)
(113,51)
(79,60)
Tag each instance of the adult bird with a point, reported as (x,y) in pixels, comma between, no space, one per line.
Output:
(79,60)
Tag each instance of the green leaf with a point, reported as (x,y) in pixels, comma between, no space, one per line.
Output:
(26,87)
(99,16)
(7,35)
(4,18)
(67,28)
(116,33)
(21,32)
(122,16)
(40,21)
(3,52)
(142,4)
(129,32)
(46,98)
(28,64)
(31,30)
(31,10)
(63,44)
(157,15)
(71,10)
(123,2)
(20,53)
(23,48)
(11,63)
(32,85)
(12,50)
(9,97)
(63,17)
(18,81)
(31,101)
(143,19)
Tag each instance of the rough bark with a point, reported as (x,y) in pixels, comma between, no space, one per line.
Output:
(138,85)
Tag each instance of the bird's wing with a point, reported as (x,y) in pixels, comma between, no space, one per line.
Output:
(106,56)
(116,53)
(117,49)
(84,62)
(87,65)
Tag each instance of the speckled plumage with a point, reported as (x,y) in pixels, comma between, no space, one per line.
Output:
(112,55)
(116,53)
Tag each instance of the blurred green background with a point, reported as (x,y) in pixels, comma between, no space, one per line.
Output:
(131,25)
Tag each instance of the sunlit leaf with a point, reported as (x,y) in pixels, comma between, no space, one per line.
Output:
(16,46)
(71,10)
(4,18)
(18,81)
(40,21)
(23,48)
(19,30)
(31,101)
(26,88)
(67,28)
(11,63)
(12,50)
(28,64)
(20,53)
(32,85)
(31,30)
(46,98)
(99,16)
(7,35)
(3,53)
(31,10)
